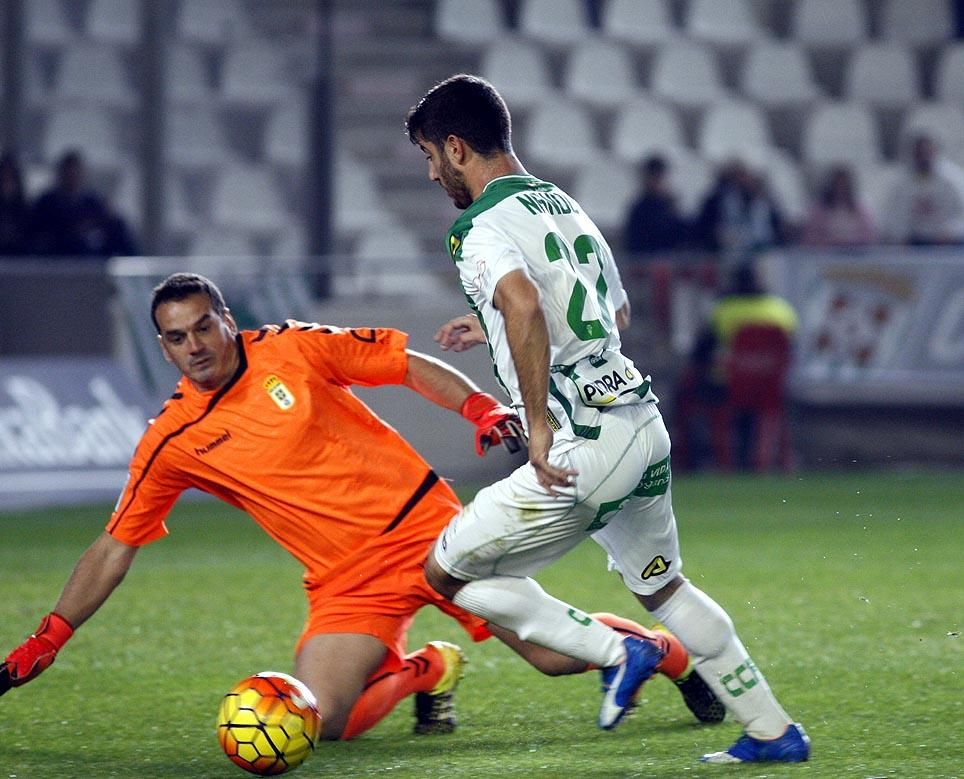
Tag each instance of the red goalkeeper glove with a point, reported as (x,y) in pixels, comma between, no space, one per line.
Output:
(495,424)
(36,653)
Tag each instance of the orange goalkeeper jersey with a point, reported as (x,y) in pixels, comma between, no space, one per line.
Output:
(286,441)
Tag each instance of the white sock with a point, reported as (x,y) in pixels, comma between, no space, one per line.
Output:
(707,632)
(522,606)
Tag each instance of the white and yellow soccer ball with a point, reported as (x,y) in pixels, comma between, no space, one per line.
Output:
(268,723)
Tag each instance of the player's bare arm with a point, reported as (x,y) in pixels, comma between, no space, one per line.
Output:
(528,337)
(460,333)
(100,569)
(623,316)
(440,383)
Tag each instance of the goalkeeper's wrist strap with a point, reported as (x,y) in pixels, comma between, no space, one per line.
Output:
(476,405)
(55,629)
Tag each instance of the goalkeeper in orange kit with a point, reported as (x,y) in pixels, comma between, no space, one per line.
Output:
(265,420)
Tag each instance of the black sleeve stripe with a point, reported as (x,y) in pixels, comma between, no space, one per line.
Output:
(242,367)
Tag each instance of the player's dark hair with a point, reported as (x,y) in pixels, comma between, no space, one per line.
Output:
(179,286)
(466,106)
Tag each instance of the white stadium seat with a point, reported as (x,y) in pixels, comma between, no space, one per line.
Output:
(840,133)
(217,242)
(640,22)
(553,21)
(788,185)
(358,201)
(604,188)
(195,138)
(256,72)
(114,21)
(777,73)
(949,76)
(600,72)
(246,197)
(944,122)
(92,73)
(688,74)
(882,75)
(723,22)
(89,129)
(734,129)
(691,178)
(643,127)
(186,76)
(819,23)
(918,23)
(518,69)
(46,23)
(469,21)
(212,22)
(286,135)
(560,134)
(874,184)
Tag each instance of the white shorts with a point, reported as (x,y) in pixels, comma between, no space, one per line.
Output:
(621,498)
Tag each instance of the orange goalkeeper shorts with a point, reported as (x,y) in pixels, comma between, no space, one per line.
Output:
(379,587)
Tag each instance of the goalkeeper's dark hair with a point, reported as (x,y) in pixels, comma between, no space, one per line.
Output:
(179,286)
(465,106)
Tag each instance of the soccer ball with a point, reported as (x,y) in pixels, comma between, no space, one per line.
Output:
(268,723)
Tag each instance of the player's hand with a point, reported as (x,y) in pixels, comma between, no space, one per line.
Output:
(35,654)
(460,333)
(551,477)
(494,423)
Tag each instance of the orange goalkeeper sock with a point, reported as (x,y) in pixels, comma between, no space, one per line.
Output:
(418,672)
(677,659)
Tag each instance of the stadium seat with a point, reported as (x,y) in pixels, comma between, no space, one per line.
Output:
(942,121)
(186,76)
(788,185)
(256,72)
(605,188)
(469,21)
(722,22)
(46,23)
(690,178)
(212,22)
(246,197)
(358,201)
(391,261)
(114,21)
(194,138)
(882,75)
(518,69)
(776,73)
(286,135)
(687,73)
(89,129)
(828,23)
(734,129)
(217,242)
(644,126)
(600,72)
(918,23)
(93,74)
(555,22)
(640,22)
(949,76)
(179,217)
(874,184)
(838,133)
(560,134)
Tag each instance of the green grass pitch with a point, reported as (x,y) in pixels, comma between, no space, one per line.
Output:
(847,590)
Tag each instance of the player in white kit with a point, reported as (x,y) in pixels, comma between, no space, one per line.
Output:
(546,298)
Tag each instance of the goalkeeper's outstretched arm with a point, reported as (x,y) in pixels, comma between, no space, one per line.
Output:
(100,569)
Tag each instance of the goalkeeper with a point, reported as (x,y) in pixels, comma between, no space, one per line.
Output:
(265,421)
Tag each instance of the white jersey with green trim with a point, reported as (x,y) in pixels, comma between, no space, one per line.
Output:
(523,223)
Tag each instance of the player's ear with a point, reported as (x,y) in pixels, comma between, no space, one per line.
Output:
(160,342)
(232,325)
(455,149)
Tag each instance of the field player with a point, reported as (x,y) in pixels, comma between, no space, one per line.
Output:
(546,297)
(265,421)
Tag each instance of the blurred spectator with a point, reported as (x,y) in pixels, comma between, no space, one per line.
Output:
(73,220)
(14,211)
(838,217)
(654,222)
(739,217)
(705,402)
(925,207)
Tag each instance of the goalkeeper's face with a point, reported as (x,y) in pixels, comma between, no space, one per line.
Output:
(198,341)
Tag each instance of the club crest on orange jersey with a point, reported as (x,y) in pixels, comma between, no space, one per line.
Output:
(278,392)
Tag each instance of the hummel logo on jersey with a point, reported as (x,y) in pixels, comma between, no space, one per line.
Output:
(279,393)
(212,445)
(656,566)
